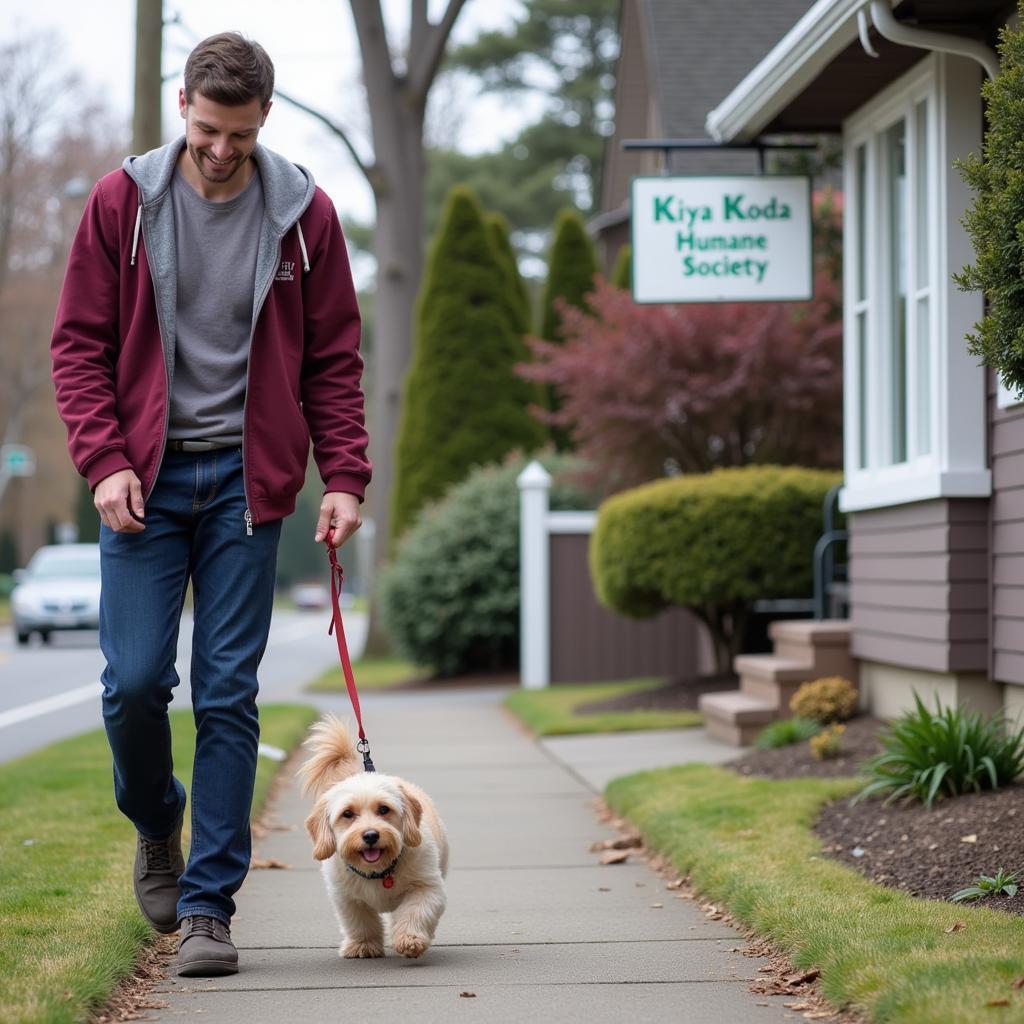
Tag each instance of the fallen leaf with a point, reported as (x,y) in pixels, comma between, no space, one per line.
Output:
(615,856)
(603,888)
(972,838)
(657,906)
(998,1002)
(1018,982)
(467,995)
(269,863)
(956,926)
(804,977)
(819,1015)
(798,1006)
(674,885)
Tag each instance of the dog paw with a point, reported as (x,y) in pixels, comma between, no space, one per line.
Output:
(356,949)
(411,945)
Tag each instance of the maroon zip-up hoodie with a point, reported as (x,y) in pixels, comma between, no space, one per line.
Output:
(113,338)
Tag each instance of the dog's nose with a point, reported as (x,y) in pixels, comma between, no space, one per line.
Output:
(370,837)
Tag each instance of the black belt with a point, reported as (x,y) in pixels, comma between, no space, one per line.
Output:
(194,446)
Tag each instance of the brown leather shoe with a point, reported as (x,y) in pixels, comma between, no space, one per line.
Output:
(158,866)
(205,949)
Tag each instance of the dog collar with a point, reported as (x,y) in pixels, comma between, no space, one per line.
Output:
(387,875)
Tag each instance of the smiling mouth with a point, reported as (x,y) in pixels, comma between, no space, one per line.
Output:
(372,854)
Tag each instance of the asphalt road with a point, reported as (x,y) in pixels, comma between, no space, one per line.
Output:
(51,692)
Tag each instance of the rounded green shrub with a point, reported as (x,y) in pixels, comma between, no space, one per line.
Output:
(713,543)
(785,732)
(450,597)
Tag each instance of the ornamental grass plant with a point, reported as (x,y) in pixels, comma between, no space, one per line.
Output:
(927,756)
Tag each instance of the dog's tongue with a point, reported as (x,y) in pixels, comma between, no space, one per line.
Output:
(372,855)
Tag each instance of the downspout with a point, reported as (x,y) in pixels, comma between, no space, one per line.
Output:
(909,35)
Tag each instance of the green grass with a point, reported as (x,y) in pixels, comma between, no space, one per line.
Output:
(747,843)
(373,673)
(551,712)
(70,927)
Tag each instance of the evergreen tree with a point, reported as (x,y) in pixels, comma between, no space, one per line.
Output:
(622,273)
(571,269)
(463,404)
(497,228)
(87,519)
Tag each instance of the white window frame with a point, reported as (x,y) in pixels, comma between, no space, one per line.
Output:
(952,462)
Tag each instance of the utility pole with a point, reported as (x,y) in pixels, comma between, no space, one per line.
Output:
(149,25)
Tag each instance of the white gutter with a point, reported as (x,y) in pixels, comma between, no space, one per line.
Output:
(827,28)
(910,35)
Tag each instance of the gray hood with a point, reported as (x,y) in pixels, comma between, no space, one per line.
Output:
(287,192)
(287,188)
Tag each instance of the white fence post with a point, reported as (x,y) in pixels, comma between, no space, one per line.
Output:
(534,581)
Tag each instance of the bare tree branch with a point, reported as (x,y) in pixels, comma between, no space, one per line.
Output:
(428,55)
(378,71)
(419,26)
(369,171)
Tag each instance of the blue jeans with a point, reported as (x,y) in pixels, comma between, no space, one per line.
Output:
(195,529)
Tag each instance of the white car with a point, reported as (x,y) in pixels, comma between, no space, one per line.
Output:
(60,589)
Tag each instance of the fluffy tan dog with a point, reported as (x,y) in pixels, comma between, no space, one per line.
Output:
(382,845)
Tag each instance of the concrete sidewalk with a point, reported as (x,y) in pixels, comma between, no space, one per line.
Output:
(536,929)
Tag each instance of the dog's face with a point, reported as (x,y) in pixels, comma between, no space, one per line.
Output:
(368,819)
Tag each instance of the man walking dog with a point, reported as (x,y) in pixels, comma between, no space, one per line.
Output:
(206,331)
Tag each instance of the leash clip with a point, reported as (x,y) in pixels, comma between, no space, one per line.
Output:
(363,746)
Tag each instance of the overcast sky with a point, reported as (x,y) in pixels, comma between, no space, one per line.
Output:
(313,46)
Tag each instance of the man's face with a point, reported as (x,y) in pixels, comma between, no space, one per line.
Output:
(220,138)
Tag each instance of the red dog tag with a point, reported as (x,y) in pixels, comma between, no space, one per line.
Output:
(388,881)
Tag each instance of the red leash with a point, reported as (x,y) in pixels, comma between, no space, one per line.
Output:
(338,629)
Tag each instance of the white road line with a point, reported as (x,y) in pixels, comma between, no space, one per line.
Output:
(44,707)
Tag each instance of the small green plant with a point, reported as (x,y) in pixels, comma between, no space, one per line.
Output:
(785,732)
(832,699)
(927,756)
(828,744)
(988,885)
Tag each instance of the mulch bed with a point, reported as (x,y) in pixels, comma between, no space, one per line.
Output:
(926,853)
(679,694)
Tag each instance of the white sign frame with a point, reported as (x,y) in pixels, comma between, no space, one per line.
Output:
(669,266)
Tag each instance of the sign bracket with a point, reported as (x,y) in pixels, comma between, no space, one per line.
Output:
(668,146)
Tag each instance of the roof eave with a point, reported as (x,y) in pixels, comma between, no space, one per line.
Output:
(799,57)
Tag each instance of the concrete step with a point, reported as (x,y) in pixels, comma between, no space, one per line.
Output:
(772,668)
(824,644)
(735,717)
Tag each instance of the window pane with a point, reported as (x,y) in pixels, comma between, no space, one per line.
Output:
(922,193)
(862,201)
(924,384)
(896,187)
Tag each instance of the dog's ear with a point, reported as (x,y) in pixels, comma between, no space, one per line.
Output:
(411,835)
(319,829)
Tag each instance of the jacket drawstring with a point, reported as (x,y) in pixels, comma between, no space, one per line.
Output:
(138,227)
(302,246)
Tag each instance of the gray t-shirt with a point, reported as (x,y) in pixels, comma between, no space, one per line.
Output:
(216,248)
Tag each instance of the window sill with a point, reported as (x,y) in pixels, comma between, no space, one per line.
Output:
(882,492)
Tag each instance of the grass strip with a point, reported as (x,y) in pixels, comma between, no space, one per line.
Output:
(747,843)
(552,711)
(71,929)
(372,673)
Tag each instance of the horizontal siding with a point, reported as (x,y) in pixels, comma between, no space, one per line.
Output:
(590,643)
(919,585)
(1006,447)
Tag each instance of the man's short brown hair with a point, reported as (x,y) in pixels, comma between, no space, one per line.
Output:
(230,69)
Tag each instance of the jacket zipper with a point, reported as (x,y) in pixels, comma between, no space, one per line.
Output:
(167,372)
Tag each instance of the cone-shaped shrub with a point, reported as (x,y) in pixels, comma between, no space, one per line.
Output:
(622,273)
(463,405)
(571,269)
(497,230)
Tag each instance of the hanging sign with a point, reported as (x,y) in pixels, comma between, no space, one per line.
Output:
(734,239)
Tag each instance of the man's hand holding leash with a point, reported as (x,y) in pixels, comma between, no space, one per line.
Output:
(338,512)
